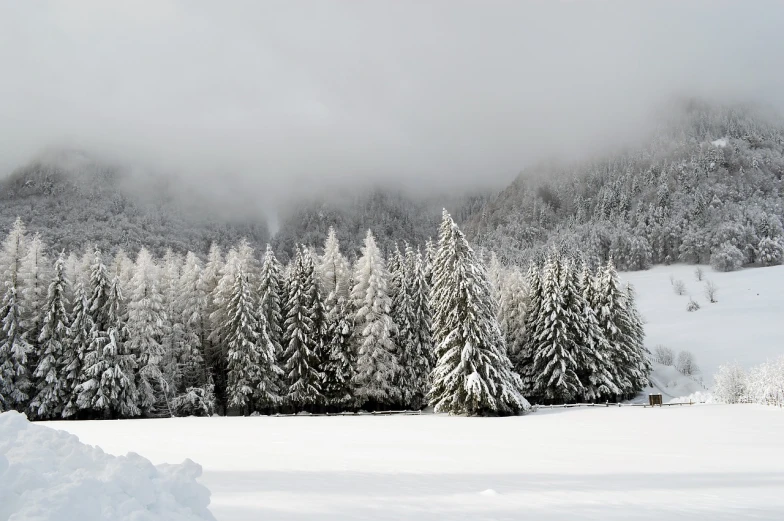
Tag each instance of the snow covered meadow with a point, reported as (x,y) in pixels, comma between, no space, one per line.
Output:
(673,463)
(744,326)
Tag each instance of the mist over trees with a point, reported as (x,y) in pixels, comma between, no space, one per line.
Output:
(707,189)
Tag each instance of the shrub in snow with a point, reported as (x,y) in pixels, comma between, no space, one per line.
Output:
(730,384)
(197,401)
(48,475)
(710,291)
(727,258)
(693,305)
(766,383)
(686,364)
(679,287)
(699,273)
(663,355)
(770,252)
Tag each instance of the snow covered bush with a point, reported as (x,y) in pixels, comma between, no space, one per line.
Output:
(727,258)
(766,382)
(692,306)
(770,252)
(686,364)
(197,401)
(730,384)
(710,291)
(679,287)
(699,273)
(48,475)
(663,355)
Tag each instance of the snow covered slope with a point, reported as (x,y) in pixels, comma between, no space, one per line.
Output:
(703,463)
(745,325)
(48,475)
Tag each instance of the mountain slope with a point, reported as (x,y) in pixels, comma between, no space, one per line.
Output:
(709,176)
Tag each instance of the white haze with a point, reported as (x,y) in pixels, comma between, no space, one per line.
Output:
(290,97)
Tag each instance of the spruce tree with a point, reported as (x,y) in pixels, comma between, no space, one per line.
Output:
(252,371)
(597,372)
(339,360)
(473,374)
(191,306)
(334,270)
(147,328)
(76,348)
(639,366)
(107,389)
(610,307)
(339,366)
(302,363)
(523,357)
(271,293)
(34,275)
(52,391)
(377,368)
(15,381)
(556,348)
(513,311)
(413,339)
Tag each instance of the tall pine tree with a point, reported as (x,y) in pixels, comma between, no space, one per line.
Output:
(377,367)
(473,374)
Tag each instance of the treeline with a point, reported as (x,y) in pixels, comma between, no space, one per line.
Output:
(92,337)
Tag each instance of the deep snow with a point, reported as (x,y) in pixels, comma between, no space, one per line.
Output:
(746,325)
(710,462)
(48,475)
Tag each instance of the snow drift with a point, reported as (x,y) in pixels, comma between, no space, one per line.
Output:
(48,475)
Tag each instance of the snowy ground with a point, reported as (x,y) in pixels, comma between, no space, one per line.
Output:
(744,326)
(710,462)
(47,475)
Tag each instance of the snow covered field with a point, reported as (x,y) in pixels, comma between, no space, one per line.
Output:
(746,325)
(711,462)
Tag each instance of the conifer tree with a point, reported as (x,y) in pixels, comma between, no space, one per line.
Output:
(15,382)
(109,389)
(34,275)
(52,391)
(77,347)
(147,328)
(210,278)
(252,369)
(191,306)
(377,368)
(271,292)
(339,366)
(413,339)
(614,320)
(176,348)
(556,349)
(339,359)
(334,270)
(523,358)
(639,366)
(513,311)
(473,374)
(301,356)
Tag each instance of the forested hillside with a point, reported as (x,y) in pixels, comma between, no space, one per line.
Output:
(392,215)
(706,188)
(75,201)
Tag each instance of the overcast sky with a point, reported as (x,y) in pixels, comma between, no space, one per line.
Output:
(295,95)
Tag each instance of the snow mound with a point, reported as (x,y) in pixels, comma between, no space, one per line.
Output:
(48,475)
